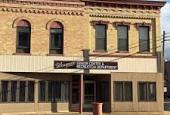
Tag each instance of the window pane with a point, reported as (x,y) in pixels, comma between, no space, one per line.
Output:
(54,91)
(56,41)
(128,91)
(49,91)
(23,39)
(143,91)
(64,91)
(101,37)
(100,31)
(4,91)
(118,91)
(122,32)
(122,45)
(22,91)
(30,91)
(13,90)
(58,91)
(56,30)
(122,38)
(152,91)
(42,90)
(100,44)
(143,38)
(23,29)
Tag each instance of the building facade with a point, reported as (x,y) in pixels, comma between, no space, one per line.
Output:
(61,56)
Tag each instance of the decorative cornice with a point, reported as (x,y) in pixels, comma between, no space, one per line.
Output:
(64,3)
(121,13)
(136,4)
(78,8)
(42,11)
(121,16)
(130,4)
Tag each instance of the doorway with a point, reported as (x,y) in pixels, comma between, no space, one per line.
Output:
(89,95)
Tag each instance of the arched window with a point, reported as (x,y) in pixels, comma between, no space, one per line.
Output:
(56,38)
(23,36)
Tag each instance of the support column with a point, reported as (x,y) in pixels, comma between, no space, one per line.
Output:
(36,96)
(81,93)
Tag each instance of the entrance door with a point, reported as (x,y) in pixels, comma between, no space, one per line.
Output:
(89,95)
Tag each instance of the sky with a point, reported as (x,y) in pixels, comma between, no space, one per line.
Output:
(165,26)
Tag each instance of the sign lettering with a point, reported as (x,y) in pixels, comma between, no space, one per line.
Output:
(85,65)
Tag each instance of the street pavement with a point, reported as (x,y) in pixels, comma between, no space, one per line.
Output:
(114,113)
(166,112)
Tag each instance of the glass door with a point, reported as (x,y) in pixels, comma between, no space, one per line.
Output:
(89,95)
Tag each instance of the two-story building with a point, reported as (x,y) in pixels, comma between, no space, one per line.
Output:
(63,55)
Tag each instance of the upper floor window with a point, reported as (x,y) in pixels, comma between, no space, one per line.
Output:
(122,32)
(56,38)
(144,39)
(101,37)
(23,37)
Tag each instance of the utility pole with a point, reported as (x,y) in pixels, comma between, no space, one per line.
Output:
(163,45)
(163,54)
(163,49)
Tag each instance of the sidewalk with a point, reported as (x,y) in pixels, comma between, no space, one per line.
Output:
(75,113)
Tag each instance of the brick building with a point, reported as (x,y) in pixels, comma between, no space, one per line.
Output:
(45,64)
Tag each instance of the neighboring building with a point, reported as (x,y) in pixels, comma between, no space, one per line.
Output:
(39,39)
(167,80)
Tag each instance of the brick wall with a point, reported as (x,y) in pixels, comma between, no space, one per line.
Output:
(78,32)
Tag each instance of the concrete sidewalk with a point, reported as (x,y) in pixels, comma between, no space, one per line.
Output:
(75,113)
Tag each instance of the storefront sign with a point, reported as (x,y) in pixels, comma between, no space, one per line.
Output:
(85,65)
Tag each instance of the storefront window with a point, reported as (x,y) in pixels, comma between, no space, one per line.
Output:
(4,91)
(30,91)
(42,90)
(147,91)
(123,91)
(53,91)
(22,91)
(17,91)
(13,91)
